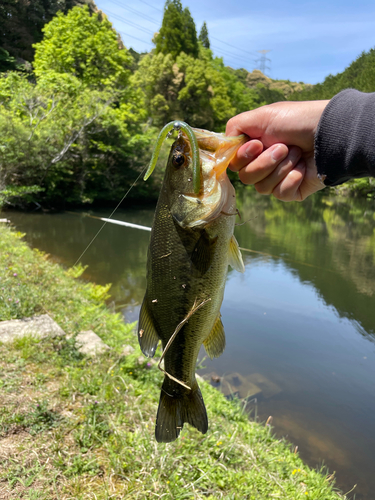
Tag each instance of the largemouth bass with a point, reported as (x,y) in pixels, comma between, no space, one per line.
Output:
(191,245)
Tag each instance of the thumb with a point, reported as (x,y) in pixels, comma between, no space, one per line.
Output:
(251,123)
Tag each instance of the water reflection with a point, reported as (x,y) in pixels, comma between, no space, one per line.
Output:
(300,323)
(327,242)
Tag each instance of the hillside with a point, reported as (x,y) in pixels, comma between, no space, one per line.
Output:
(268,89)
(360,75)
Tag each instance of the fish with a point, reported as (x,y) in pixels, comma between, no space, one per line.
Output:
(191,245)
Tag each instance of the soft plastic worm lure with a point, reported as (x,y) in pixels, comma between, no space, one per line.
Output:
(194,149)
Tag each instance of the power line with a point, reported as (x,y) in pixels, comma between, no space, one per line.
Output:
(156,8)
(233,46)
(140,14)
(229,54)
(134,25)
(131,36)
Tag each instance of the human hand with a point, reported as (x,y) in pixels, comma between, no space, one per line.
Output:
(279,157)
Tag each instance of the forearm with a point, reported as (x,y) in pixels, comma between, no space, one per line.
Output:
(345,138)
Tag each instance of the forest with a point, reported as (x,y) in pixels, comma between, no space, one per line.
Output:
(79,111)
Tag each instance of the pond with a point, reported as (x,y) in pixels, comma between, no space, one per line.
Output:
(300,322)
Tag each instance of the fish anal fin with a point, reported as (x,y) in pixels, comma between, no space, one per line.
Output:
(177,408)
(235,256)
(215,342)
(147,335)
(203,252)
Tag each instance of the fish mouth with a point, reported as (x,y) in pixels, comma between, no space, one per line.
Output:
(219,147)
(216,152)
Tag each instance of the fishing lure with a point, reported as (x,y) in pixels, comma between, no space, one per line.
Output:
(177,126)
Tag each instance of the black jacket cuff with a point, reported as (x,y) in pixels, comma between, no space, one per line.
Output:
(345,138)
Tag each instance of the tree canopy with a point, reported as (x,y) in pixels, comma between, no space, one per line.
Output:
(82,44)
(203,36)
(21,23)
(177,33)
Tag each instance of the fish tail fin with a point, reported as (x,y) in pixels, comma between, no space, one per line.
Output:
(177,407)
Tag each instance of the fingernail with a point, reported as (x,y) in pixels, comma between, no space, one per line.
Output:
(278,153)
(251,150)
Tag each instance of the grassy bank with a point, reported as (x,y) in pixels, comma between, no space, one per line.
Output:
(73,427)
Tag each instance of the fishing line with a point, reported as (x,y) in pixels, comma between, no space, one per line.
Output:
(122,199)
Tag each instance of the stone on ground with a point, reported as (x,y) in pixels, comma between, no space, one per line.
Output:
(91,344)
(37,326)
(128,349)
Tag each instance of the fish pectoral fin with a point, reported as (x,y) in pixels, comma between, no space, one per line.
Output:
(235,256)
(147,335)
(215,342)
(202,255)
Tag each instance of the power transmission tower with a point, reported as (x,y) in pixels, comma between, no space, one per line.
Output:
(262,61)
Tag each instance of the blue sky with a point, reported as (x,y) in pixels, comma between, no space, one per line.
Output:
(307,40)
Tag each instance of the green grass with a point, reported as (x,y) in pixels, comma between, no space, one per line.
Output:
(73,427)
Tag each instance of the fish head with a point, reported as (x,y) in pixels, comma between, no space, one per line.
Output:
(190,209)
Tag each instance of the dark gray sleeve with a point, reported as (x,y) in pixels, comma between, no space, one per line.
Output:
(345,138)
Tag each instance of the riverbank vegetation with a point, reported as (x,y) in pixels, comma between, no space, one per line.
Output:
(79,112)
(79,427)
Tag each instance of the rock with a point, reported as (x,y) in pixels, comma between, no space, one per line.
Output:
(141,360)
(89,343)
(128,349)
(235,384)
(38,326)
(269,388)
(213,378)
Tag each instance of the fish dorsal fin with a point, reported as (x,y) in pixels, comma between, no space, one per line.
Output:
(235,256)
(147,335)
(202,255)
(215,342)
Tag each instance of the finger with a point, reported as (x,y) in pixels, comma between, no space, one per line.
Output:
(264,164)
(289,187)
(245,154)
(251,123)
(268,184)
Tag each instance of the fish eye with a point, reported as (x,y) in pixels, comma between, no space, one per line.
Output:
(178,159)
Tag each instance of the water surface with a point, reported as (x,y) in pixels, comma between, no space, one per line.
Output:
(300,322)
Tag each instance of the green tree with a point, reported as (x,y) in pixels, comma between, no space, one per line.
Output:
(68,140)
(242,98)
(85,46)
(203,36)
(199,90)
(42,128)
(178,33)
(22,21)
(158,79)
(7,62)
